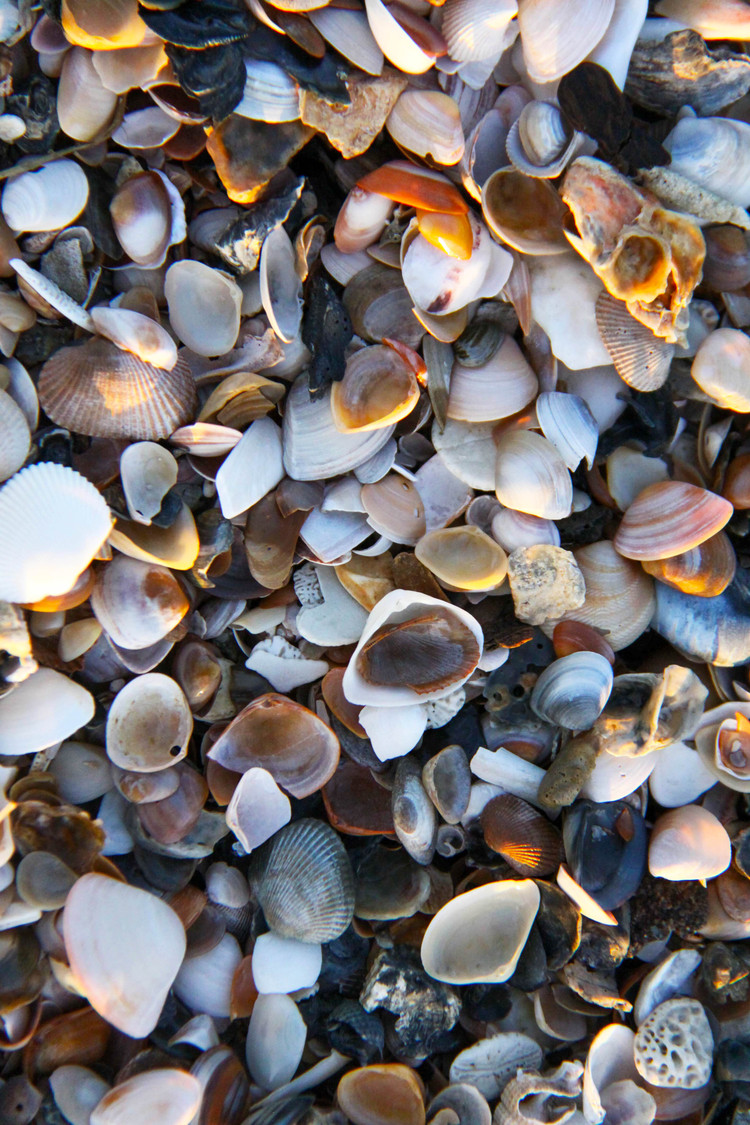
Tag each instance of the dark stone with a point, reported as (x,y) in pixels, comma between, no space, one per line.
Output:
(201,23)
(326,330)
(214,75)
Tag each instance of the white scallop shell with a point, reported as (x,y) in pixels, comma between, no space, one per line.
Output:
(477,29)
(52,523)
(15,436)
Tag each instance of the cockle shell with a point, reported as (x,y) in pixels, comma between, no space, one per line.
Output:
(531,476)
(669,518)
(557,36)
(480,935)
(522,836)
(47,503)
(47,199)
(125,947)
(573,690)
(478,29)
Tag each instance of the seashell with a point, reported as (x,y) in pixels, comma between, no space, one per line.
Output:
(44,709)
(737,483)
(641,359)
(118,933)
(567,422)
(204,981)
(670,977)
(49,298)
(382,1092)
(117,25)
(280,285)
(539,142)
(678,778)
(447,780)
(361,220)
(413,649)
(713,152)
(397,45)
(629,471)
(564,1082)
(686,1063)
(615,50)
(573,690)
(172,1095)
(723,20)
(275,1041)
(313,448)
(668,518)
(349,32)
(175,546)
(98,389)
(50,198)
(147,472)
(514,530)
(15,437)
(82,772)
(440,284)
(252,469)
(475,30)
(204,439)
(710,629)
(204,307)
(479,935)
(378,389)
(721,368)
(524,212)
(305,884)
(138,334)
(145,129)
(531,476)
(522,836)
(282,965)
(727,264)
(258,809)
(606,849)
(137,603)
(407,183)
(394,508)
(564,291)
(573,636)
(85,108)
(77,1090)
(129,68)
(556,37)
(427,123)
(148,216)
(275,733)
(688,843)
(706,570)
(609,1060)
(463,557)
(270,94)
(489,1064)
(149,724)
(46,500)
(496,389)
(380,306)
(414,816)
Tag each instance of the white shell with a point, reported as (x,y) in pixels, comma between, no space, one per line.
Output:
(53,294)
(568,423)
(82,771)
(252,469)
(573,690)
(204,307)
(125,947)
(509,772)
(136,333)
(479,936)
(204,982)
(679,776)
(614,51)
(257,809)
(477,29)
(539,144)
(284,964)
(489,1064)
(609,1059)
(280,285)
(514,529)
(44,709)
(275,1040)
(52,523)
(123,604)
(169,1096)
(205,439)
(671,977)
(147,472)
(564,292)
(270,94)
(48,199)
(531,476)
(674,1046)
(688,843)
(395,43)
(148,724)
(558,34)
(441,284)
(145,128)
(713,152)
(77,1091)
(15,436)
(349,32)
(614,777)
(427,123)
(499,388)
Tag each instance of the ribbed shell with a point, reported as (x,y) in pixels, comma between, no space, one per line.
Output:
(476,29)
(306,888)
(99,390)
(522,836)
(15,437)
(668,518)
(641,359)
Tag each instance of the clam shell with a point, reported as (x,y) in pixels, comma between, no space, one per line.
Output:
(610,1059)
(522,836)
(363,1093)
(556,36)
(564,292)
(49,296)
(149,724)
(706,570)
(145,129)
(480,935)
(258,809)
(280,285)
(204,439)
(669,518)
(539,142)
(175,546)
(427,123)
(378,389)
(721,368)
(77,1091)
(252,469)
(477,29)
(48,503)
(138,334)
(204,307)
(531,476)
(125,947)
(349,32)
(361,220)
(396,43)
(204,981)
(688,843)
(463,557)
(440,284)
(713,152)
(43,880)
(275,733)
(496,389)
(148,216)
(567,422)
(98,389)
(44,709)
(394,508)
(305,884)
(171,1096)
(137,603)
(147,472)
(641,359)
(85,108)
(50,198)
(524,212)
(83,772)
(573,690)
(275,1041)
(270,93)
(15,437)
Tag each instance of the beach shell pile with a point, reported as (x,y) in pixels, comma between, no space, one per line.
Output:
(374,562)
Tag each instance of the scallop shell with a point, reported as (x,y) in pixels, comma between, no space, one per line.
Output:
(523,836)
(50,198)
(98,389)
(668,518)
(573,690)
(496,389)
(641,359)
(15,436)
(479,936)
(558,34)
(48,503)
(531,476)
(137,603)
(305,884)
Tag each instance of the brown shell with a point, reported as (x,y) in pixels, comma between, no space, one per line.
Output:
(522,836)
(641,359)
(737,482)
(382,1094)
(706,570)
(425,653)
(99,390)
(668,519)
(576,636)
(355,803)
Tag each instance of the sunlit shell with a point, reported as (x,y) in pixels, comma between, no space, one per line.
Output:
(387,1092)
(477,29)
(721,368)
(688,843)
(525,213)
(171,1096)
(669,518)
(394,508)
(463,557)
(705,570)
(43,504)
(441,284)
(98,389)
(522,836)
(378,389)
(115,23)
(138,334)
(204,307)
(149,724)
(277,734)
(641,359)
(42,711)
(361,220)
(531,476)
(427,123)
(557,36)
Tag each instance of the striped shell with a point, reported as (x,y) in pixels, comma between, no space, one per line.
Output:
(99,390)
(306,885)
(668,518)
(522,836)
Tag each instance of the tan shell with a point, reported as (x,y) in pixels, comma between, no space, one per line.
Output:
(382,1094)
(705,570)
(463,557)
(427,123)
(149,724)
(100,390)
(378,389)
